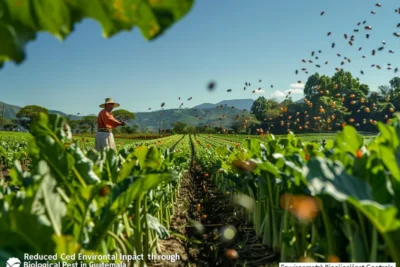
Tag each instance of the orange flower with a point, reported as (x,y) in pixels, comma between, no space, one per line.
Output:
(359,154)
(198,207)
(333,258)
(305,208)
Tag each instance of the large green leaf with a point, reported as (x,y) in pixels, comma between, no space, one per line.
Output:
(154,224)
(20,20)
(349,140)
(122,202)
(83,165)
(47,203)
(385,220)
(327,177)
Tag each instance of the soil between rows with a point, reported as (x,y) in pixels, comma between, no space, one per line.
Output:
(195,234)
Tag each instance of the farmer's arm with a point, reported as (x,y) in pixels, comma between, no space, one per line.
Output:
(112,121)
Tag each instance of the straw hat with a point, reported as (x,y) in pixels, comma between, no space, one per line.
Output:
(109,101)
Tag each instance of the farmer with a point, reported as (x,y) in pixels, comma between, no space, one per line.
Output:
(105,123)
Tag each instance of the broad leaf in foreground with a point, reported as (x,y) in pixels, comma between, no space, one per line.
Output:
(21,20)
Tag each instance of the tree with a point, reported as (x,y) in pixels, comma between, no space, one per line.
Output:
(90,121)
(8,124)
(128,129)
(237,126)
(143,128)
(124,115)
(395,83)
(28,113)
(259,108)
(364,88)
(179,127)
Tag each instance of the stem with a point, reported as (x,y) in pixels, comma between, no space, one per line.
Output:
(374,245)
(328,232)
(138,228)
(349,232)
(127,226)
(119,241)
(147,233)
(274,230)
(285,231)
(363,232)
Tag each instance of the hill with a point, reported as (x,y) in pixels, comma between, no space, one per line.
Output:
(10,111)
(237,103)
(194,116)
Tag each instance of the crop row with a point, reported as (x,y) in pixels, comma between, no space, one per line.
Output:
(338,202)
(75,200)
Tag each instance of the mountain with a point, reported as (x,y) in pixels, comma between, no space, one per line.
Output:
(9,110)
(237,103)
(193,116)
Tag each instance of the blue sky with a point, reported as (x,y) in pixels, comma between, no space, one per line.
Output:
(229,41)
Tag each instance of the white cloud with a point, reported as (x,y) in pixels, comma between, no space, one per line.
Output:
(296,89)
(278,94)
(281,93)
(297,85)
(259,91)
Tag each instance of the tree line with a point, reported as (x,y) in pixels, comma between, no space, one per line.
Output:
(329,103)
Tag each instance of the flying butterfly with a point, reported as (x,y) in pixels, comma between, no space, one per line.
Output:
(162,104)
(373,12)
(378,4)
(333,45)
(229,90)
(322,13)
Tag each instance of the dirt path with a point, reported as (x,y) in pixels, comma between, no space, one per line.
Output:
(199,229)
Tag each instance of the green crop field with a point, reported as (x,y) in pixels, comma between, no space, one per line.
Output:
(299,197)
(254,134)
